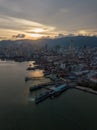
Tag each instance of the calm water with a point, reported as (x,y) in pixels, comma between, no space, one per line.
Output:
(73,110)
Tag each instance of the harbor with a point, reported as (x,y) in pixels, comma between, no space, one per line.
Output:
(48,64)
(56,85)
(52,93)
(18,104)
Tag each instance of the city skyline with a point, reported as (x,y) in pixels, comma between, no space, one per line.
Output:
(34,19)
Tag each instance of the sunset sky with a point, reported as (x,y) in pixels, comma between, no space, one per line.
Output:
(33,19)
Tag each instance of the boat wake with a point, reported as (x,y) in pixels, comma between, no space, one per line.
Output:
(31,99)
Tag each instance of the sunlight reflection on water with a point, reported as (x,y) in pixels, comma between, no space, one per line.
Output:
(36,74)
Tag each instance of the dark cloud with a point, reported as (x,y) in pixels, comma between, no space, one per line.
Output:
(19,36)
(60,36)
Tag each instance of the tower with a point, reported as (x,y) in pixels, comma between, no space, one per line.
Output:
(71,47)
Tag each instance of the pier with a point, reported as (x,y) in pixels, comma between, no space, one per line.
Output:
(39,86)
(51,92)
(57,85)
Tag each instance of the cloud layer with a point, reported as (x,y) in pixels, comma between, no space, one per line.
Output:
(52,16)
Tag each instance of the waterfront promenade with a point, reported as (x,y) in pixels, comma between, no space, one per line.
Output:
(89,90)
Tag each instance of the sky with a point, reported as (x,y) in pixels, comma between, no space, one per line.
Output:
(33,19)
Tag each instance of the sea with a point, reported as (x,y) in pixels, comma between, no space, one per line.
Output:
(72,110)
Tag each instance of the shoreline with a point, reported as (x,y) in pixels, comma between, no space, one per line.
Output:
(89,90)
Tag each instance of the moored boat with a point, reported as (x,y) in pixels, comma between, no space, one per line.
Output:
(58,90)
(42,97)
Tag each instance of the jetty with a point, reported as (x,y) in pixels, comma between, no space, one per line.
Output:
(39,86)
(52,92)
(58,90)
(32,78)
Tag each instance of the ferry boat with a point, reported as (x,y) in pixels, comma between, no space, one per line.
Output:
(42,97)
(58,90)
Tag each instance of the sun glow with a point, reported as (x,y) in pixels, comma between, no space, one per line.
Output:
(38,30)
(83,32)
(36,36)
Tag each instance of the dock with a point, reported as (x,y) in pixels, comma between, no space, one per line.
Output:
(39,86)
(32,78)
(53,92)
(58,90)
(32,68)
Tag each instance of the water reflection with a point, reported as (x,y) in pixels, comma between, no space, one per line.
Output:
(5,63)
(36,74)
(33,72)
(33,78)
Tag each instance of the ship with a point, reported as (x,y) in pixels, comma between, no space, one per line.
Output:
(41,97)
(58,90)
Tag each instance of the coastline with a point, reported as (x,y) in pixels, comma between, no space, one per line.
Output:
(89,90)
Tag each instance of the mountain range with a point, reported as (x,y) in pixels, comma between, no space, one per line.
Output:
(76,41)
